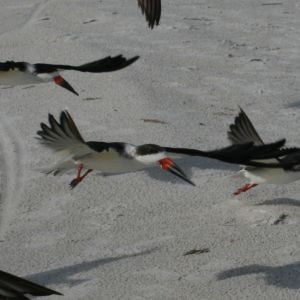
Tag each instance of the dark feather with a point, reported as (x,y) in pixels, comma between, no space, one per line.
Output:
(148,149)
(152,11)
(13,287)
(107,64)
(243,154)
(242,131)
(61,131)
(11,65)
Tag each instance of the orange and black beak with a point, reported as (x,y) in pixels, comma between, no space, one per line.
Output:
(169,165)
(59,80)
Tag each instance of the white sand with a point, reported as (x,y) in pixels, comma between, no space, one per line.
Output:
(123,237)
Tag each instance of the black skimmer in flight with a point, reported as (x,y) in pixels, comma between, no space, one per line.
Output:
(16,288)
(152,11)
(19,73)
(112,158)
(242,131)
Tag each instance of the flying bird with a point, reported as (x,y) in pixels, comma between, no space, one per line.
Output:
(16,288)
(152,11)
(20,73)
(279,170)
(64,137)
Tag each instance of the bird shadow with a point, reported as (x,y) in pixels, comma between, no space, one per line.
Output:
(281,201)
(286,276)
(64,274)
(295,104)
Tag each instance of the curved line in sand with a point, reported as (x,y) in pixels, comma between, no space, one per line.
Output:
(11,185)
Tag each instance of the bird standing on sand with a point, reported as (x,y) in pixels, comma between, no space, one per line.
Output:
(20,73)
(112,158)
(15,288)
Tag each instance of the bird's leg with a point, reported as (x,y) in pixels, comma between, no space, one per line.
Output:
(79,178)
(245,188)
(79,169)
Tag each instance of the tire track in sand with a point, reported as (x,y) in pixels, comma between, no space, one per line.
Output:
(11,173)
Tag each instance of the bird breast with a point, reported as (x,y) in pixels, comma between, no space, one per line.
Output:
(272,176)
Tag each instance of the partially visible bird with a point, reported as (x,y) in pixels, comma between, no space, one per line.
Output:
(20,73)
(242,131)
(152,11)
(13,287)
(64,137)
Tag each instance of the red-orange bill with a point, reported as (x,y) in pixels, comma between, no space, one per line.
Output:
(59,80)
(170,166)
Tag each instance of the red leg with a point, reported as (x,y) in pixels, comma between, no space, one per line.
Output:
(79,178)
(79,169)
(86,173)
(245,188)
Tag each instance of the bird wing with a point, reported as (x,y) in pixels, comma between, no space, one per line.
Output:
(10,65)
(242,131)
(64,137)
(107,64)
(14,287)
(152,11)
(245,154)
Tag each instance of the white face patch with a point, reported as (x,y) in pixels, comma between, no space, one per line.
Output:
(130,150)
(30,68)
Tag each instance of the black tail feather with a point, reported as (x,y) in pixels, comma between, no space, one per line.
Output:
(152,11)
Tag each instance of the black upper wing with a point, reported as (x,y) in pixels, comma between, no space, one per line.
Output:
(107,64)
(242,131)
(152,11)
(245,154)
(14,287)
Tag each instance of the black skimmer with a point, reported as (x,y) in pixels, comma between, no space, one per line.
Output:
(20,73)
(242,131)
(16,288)
(113,158)
(152,11)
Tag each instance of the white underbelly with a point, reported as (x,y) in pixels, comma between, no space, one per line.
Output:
(111,166)
(18,78)
(274,176)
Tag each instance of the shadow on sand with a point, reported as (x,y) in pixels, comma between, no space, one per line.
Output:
(281,201)
(286,276)
(64,274)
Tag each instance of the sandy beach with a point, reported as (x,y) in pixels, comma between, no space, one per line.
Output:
(126,236)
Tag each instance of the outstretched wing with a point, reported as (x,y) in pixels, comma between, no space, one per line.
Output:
(152,11)
(63,137)
(245,154)
(11,65)
(107,64)
(242,131)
